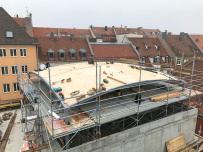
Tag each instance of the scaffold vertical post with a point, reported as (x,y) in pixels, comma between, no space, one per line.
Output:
(191,80)
(181,67)
(198,141)
(96,102)
(99,101)
(168,86)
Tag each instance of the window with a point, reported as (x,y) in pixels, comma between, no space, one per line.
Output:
(178,62)
(81,34)
(83,55)
(6,88)
(13,52)
(48,34)
(9,34)
(24,69)
(2,52)
(166,59)
(137,48)
(15,87)
(14,69)
(157,59)
(147,47)
(73,55)
(51,55)
(156,47)
(4,70)
(23,52)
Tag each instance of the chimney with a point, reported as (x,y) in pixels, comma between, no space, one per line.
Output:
(164,35)
(72,37)
(182,36)
(17,15)
(58,31)
(91,26)
(52,36)
(169,33)
(105,28)
(121,26)
(126,28)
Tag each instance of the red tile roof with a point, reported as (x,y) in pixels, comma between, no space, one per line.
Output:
(20,21)
(186,46)
(149,32)
(198,39)
(42,31)
(120,30)
(64,43)
(150,42)
(113,51)
(101,30)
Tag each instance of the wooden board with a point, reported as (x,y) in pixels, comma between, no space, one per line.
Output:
(116,80)
(56,124)
(176,144)
(79,119)
(165,96)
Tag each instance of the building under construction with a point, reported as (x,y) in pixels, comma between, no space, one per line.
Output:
(108,106)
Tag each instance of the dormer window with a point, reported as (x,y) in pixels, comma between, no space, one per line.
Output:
(153,33)
(55,34)
(81,34)
(63,34)
(48,34)
(177,51)
(137,48)
(83,54)
(146,46)
(156,46)
(9,34)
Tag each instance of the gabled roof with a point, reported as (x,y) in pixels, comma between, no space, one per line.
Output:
(101,30)
(7,23)
(198,39)
(43,31)
(113,51)
(151,33)
(187,46)
(121,30)
(20,21)
(149,42)
(64,43)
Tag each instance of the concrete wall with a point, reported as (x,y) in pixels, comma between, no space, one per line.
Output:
(149,137)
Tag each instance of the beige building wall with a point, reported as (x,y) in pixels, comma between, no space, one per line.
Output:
(121,37)
(30,60)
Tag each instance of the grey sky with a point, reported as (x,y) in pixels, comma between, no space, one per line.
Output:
(172,15)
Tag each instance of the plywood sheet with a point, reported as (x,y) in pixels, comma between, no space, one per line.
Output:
(165,96)
(176,144)
(79,119)
(56,124)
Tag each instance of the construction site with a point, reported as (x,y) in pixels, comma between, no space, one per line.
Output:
(108,105)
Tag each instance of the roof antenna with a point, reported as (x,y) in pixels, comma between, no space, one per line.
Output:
(27,11)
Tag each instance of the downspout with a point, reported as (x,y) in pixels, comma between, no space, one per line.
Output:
(88,42)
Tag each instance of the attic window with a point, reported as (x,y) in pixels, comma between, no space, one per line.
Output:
(63,34)
(81,34)
(55,34)
(68,34)
(177,51)
(197,40)
(153,33)
(9,34)
(48,34)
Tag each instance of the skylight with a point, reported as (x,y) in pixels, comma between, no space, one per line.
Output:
(9,34)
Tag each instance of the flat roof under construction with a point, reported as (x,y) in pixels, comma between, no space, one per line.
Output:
(83,77)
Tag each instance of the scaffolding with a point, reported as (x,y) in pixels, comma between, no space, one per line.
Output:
(101,114)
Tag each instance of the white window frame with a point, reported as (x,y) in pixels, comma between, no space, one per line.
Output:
(15,87)
(178,62)
(62,58)
(4,70)
(3,55)
(9,34)
(157,59)
(24,54)
(7,91)
(15,70)
(11,50)
(24,69)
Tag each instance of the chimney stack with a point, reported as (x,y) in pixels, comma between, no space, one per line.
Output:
(17,15)
(72,37)
(164,35)
(126,28)
(91,26)
(52,36)
(182,36)
(58,31)
(105,28)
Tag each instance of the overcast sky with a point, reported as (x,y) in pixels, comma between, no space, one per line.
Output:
(172,15)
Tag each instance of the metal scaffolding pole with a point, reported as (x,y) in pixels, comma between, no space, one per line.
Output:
(139,93)
(181,68)
(193,66)
(99,101)
(198,141)
(168,87)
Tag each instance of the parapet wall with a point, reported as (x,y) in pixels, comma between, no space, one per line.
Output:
(150,137)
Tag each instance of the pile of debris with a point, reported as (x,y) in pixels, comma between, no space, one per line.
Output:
(6,116)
